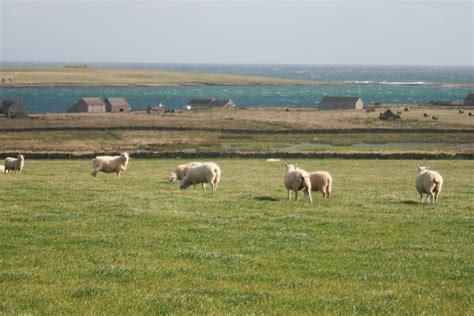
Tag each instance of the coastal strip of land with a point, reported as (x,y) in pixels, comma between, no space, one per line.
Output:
(77,76)
(128,77)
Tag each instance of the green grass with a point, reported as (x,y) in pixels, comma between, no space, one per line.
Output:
(71,243)
(130,140)
(106,76)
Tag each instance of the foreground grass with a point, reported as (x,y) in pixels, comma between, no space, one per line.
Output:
(105,76)
(71,243)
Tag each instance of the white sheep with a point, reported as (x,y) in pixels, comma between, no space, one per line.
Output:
(429,182)
(321,181)
(181,171)
(109,164)
(2,169)
(15,164)
(207,172)
(295,180)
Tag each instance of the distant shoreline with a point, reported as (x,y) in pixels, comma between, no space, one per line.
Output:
(328,83)
(111,77)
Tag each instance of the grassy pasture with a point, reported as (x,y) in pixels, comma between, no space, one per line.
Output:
(71,243)
(104,76)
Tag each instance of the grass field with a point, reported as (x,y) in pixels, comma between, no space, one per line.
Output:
(71,243)
(242,130)
(105,76)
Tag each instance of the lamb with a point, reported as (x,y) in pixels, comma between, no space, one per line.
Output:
(15,164)
(321,181)
(181,171)
(295,180)
(109,164)
(207,172)
(429,182)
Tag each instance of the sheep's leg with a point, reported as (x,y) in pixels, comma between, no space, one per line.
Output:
(203,186)
(421,198)
(289,195)
(431,197)
(296,196)
(94,173)
(436,196)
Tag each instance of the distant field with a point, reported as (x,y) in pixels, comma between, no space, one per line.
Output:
(103,76)
(76,244)
(242,130)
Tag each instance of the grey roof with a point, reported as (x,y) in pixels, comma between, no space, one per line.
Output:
(202,102)
(339,100)
(93,101)
(117,101)
(209,103)
(470,96)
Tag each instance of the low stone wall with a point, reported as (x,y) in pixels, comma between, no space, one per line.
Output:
(261,155)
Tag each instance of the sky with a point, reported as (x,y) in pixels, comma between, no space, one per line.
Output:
(239,32)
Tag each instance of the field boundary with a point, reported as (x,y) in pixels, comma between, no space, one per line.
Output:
(239,131)
(249,155)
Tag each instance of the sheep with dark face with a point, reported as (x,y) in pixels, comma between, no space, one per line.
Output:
(428,182)
(207,172)
(109,164)
(295,180)
(14,164)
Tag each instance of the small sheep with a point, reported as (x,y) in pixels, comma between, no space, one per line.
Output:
(207,172)
(295,180)
(461,112)
(181,171)
(434,117)
(15,164)
(321,181)
(109,164)
(425,115)
(429,182)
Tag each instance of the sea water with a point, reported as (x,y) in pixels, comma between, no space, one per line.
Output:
(374,84)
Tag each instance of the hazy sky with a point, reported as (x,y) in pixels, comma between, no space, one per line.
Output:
(195,31)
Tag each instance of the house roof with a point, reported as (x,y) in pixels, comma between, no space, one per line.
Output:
(93,101)
(7,103)
(208,103)
(202,102)
(339,100)
(117,101)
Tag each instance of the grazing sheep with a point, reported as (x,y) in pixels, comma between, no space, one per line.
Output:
(321,181)
(470,114)
(406,110)
(461,112)
(207,172)
(435,118)
(109,164)
(429,182)
(295,180)
(181,171)
(15,164)
(2,169)
(425,115)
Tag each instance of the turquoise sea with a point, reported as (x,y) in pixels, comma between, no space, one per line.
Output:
(374,84)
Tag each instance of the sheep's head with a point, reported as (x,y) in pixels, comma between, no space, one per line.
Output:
(183,185)
(172,178)
(421,168)
(20,157)
(124,156)
(290,167)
